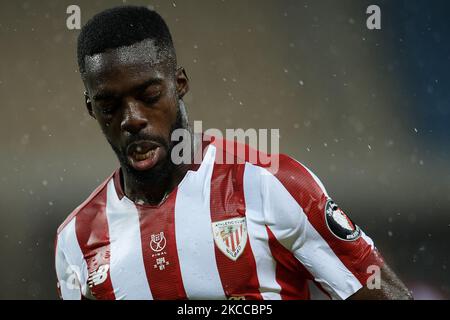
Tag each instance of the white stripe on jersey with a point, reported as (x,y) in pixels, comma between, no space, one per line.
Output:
(290,225)
(368,240)
(328,270)
(69,258)
(257,233)
(193,228)
(129,280)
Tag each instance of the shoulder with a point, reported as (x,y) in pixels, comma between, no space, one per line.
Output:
(287,171)
(94,196)
(277,180)
(298,178)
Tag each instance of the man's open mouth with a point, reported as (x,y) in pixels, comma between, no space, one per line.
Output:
(144,154)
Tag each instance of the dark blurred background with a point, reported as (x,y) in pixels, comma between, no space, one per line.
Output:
(367,110)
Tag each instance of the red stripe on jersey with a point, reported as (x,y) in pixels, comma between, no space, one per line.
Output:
(83,204)
(356,255)
(159,249)
(91,227)
(291,275)
(239,278)
(233,242)
(238,232)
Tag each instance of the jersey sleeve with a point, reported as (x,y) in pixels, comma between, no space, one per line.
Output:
(70,267)
(335,251)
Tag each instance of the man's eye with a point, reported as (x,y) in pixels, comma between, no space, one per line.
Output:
(151,98)
(107,109)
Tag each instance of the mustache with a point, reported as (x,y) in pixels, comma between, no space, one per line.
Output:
(144,136)
(158,139)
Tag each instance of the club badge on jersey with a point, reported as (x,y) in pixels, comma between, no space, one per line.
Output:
(339,223)
(230,236)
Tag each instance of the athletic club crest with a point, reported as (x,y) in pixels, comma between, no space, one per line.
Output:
(230,236)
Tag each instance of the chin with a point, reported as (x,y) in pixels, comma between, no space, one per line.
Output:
(159,172)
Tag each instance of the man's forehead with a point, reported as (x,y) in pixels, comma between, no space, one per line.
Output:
(141,53)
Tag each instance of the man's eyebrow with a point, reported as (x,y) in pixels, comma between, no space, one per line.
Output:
(105,95)
(149,82)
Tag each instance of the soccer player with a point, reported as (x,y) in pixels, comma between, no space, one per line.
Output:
(208,229)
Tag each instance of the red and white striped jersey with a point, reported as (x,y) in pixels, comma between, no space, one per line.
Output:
(228,231)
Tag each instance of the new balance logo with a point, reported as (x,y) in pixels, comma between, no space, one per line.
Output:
(98,276)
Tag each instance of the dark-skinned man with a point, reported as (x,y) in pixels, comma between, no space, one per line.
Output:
(158,228)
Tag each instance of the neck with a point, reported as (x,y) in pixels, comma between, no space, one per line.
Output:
(151,190)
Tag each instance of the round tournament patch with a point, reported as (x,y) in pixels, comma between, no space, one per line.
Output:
(339,224)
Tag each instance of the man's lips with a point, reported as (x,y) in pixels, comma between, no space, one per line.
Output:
(144,154)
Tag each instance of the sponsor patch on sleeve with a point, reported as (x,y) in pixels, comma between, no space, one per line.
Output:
(339,223)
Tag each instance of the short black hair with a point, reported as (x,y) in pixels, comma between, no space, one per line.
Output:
(122,26)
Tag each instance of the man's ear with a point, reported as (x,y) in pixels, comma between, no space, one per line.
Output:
(182,82)
(88,103)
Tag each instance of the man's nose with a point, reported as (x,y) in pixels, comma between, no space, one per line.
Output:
(134,119)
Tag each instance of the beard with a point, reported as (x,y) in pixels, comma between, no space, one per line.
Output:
(162,171)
